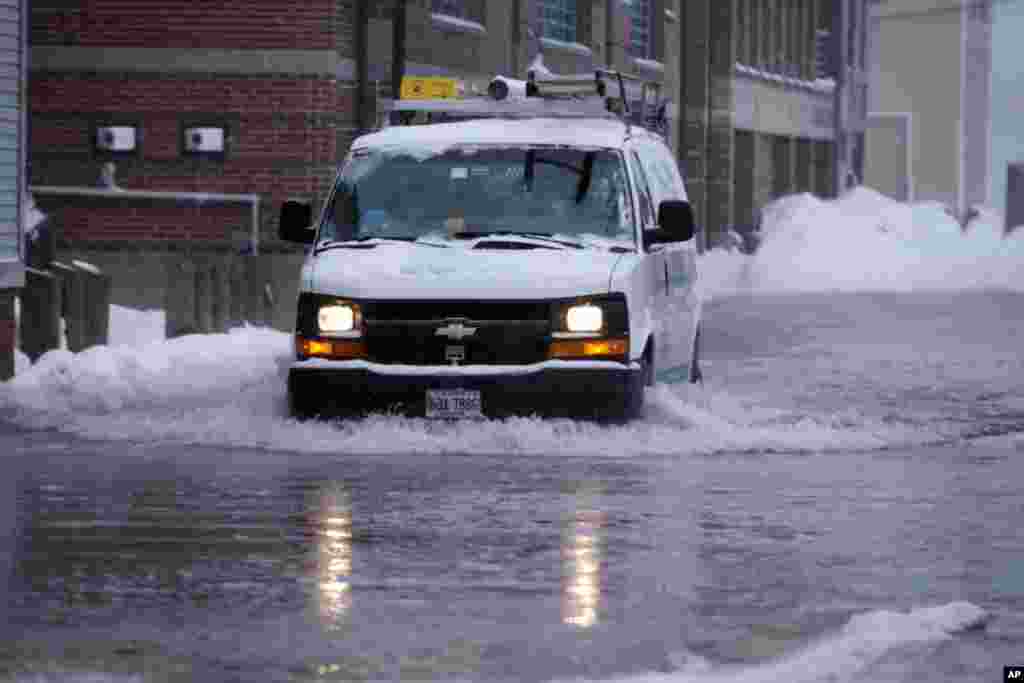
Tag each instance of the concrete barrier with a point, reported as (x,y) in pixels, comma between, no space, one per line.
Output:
(7,334)
(209,293)
(85,303)
(95,312)
(180,299)
(41,303)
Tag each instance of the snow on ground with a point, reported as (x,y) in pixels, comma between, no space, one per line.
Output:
(866,241)
(228,389)
(132,327)
(128,327)
(32,217)
(21,362)
(864,640)
(109,379)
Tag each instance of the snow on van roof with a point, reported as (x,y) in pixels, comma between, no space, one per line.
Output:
(608,133)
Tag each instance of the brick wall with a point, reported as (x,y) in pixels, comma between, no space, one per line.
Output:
(283,129)
(87,219)
(168,92)
(310,24)
(282,138)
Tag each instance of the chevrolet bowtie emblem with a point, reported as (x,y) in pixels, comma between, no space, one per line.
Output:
(455,331)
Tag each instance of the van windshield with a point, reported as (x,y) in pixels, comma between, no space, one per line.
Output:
(460,192)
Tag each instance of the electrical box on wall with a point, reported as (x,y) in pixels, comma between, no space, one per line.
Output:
(116,138)
(204,140)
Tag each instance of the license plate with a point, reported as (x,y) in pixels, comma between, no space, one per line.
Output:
(449,404)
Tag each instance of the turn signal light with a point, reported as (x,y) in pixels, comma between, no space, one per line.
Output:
(332,349)
(588,348)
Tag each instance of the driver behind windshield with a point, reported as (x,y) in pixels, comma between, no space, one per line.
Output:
(555,191)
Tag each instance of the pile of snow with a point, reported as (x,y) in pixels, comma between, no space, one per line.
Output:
(866,241)
(128,327)
(864,640)
(134,327)
(31,217)
(110,379)
(21,362)
(229,390)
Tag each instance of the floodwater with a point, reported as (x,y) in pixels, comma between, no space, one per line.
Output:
(839,502)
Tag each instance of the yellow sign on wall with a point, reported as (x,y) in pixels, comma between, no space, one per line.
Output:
(429,88)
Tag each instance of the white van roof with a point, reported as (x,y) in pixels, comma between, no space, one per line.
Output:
(606,133)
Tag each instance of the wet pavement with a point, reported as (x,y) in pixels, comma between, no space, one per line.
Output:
(219,562)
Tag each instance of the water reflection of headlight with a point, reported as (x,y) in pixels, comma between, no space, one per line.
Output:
(582,563)
(334,556)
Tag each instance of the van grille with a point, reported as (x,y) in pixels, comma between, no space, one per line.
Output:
(507,333)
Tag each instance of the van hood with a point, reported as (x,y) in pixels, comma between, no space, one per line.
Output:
(396,270)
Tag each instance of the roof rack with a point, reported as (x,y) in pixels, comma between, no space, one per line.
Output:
(630,88)
(483,107)
(435,100)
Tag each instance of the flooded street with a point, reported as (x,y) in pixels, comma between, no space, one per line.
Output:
(839,502)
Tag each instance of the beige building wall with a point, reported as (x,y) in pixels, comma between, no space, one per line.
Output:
(888,163)
(782,113)
(918,53)
(744,66)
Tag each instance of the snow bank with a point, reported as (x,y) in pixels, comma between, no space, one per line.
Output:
(21,362)
(134,327)
(109,379)
(32,217)
(866,241)
(864,640)
(229,390)
(128,327)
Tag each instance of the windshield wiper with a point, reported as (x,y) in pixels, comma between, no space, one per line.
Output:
(547,237)
(341,244)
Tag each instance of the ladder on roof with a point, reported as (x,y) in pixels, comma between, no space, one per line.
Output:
(435,100)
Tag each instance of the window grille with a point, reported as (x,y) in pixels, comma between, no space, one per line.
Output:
(639,15)
(558,19)
(452,8)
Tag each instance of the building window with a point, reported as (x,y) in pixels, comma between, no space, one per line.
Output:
(639,26)
(558,19)
(452,8)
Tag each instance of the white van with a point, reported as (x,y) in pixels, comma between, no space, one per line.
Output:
(494,267)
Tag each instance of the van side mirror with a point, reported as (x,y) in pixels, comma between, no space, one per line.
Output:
(296,218)
(675,220)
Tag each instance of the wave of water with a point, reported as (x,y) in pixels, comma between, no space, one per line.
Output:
(229,390)
(867,242)
(864,640)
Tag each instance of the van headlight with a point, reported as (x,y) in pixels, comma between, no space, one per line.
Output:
(323,315)
(336,318)
(592,316)
(591,328)
(584,318)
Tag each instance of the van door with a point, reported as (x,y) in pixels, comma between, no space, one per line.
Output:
(682,305)
(654,270)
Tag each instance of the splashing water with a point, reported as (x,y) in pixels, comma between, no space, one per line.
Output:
(228,389)
(865,639)
(867,242)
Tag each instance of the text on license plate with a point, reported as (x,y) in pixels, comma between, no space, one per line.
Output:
(453,403)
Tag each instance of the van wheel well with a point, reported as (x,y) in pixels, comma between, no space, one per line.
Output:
(648,356)
(696,376)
